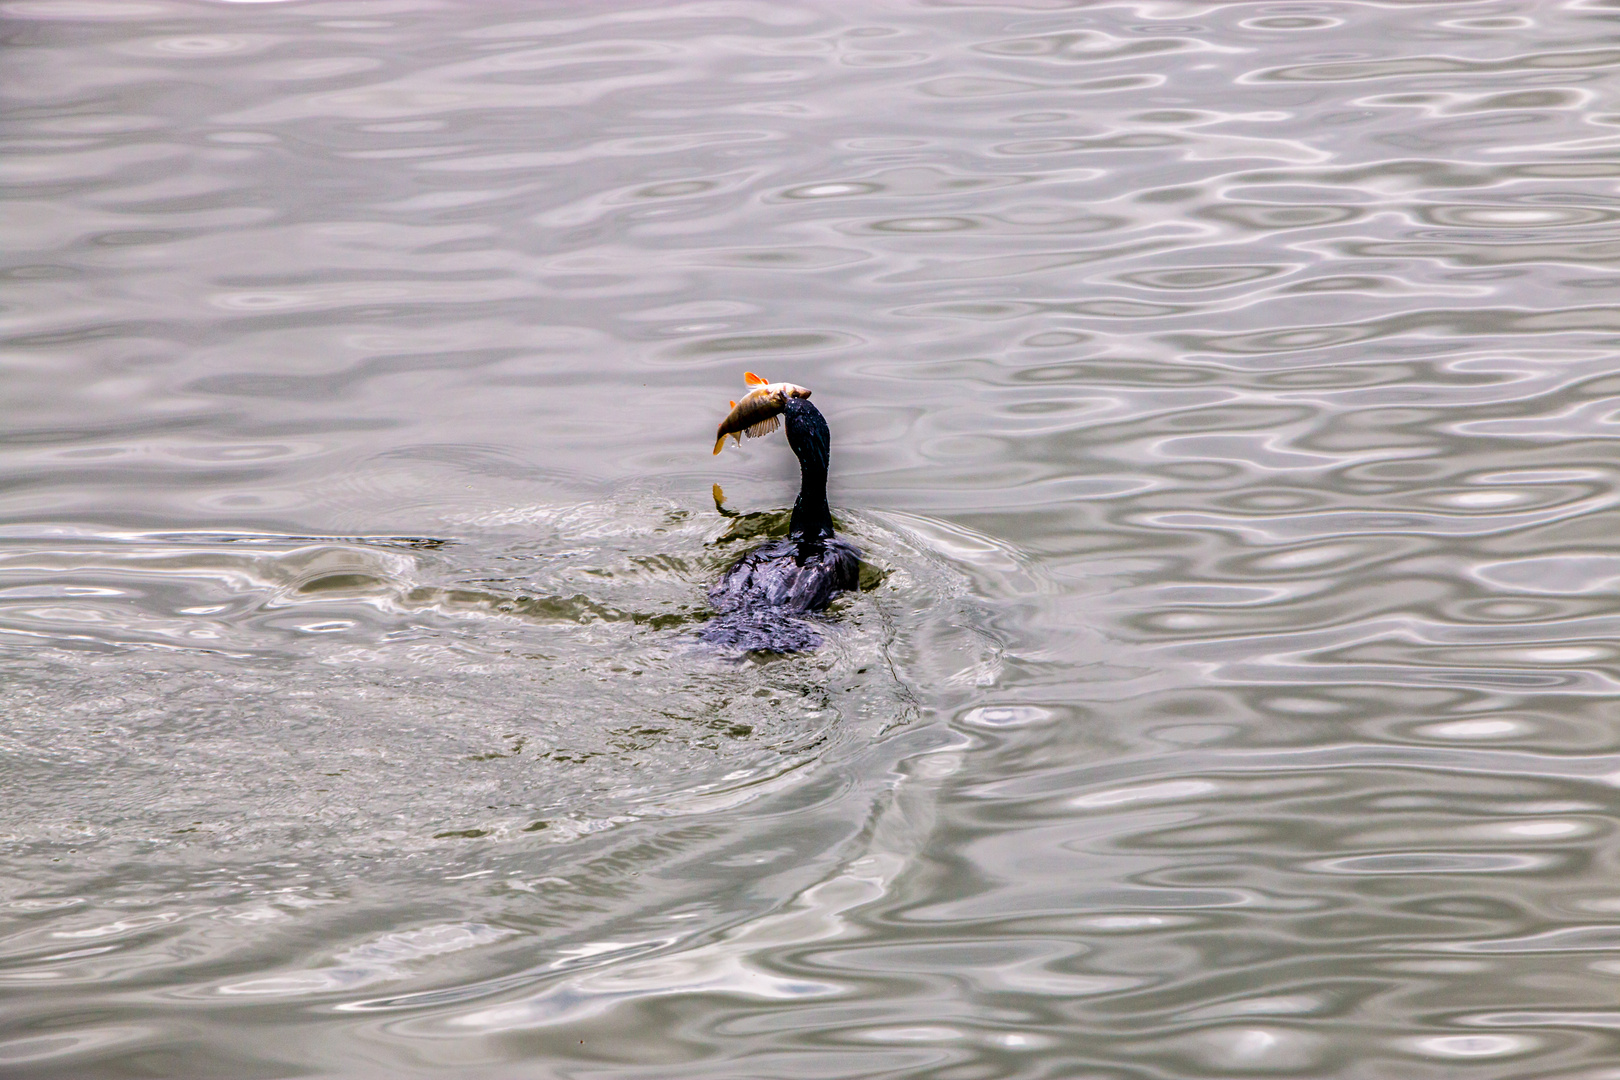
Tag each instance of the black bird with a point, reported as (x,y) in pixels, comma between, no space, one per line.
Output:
(762,599)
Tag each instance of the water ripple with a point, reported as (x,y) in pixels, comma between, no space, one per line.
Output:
(361,368)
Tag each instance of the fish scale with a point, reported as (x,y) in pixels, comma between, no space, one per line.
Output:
(756,414)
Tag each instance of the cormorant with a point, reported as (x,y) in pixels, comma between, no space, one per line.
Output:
(762,598)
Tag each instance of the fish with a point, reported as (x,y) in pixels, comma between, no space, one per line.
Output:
(756,414)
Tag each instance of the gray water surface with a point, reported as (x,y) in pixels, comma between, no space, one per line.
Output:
(1224,397)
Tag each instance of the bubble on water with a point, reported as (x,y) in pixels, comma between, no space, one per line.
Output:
(1007,716)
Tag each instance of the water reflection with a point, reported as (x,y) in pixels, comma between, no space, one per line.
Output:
(1223,396)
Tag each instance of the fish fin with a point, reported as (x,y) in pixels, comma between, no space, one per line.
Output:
(764,427)
(733,404)
(718,443)
(754,380)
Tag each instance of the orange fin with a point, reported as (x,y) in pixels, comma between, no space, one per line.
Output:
(718,443)
(754,380)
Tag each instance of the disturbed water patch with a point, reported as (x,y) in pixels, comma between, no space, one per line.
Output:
(223,743)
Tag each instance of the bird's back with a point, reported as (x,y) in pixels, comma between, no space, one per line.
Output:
(788,575)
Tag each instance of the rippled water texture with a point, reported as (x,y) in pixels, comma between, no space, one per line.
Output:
(1225,399)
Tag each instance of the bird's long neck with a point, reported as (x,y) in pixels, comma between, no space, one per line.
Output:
(811,442)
